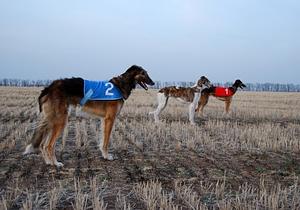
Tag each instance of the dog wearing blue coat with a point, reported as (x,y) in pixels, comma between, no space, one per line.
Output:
(102,99)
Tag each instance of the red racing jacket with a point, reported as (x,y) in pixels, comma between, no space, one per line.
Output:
(223,92)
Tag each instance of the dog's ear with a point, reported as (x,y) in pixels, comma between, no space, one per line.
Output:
(134,70)
(239,83)
(200,82)
(139,78)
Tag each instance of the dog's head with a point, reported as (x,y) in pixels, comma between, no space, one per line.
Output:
(203,81)
(140,76)
(239,84)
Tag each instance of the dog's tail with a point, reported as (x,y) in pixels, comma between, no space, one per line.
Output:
(40,133)
(43,97)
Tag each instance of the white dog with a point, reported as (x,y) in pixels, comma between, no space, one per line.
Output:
(190,95)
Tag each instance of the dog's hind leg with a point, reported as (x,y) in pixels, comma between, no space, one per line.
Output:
(43,146)
(56,112)
(192,113)
(192,107)
(64,137)
(50,146)
(162,103)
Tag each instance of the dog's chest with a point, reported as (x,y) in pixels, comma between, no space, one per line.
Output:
(100,91)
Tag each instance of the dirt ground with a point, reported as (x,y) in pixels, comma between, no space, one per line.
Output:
(217,173)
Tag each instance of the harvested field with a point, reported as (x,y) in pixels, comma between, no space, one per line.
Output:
(249,159)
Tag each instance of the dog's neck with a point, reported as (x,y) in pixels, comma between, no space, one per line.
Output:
(198,88)
(125,83)
(234,88)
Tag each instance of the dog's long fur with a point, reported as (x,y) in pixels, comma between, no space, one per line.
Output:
(191,95)
(55,99)
(211,92)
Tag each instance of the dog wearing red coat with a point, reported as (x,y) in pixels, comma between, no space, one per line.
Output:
(222,93)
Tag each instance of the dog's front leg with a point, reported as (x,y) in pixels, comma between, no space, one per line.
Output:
(201,104)
(107,125)
(227,105)
(192,113)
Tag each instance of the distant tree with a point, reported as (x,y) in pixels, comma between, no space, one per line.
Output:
(274,87)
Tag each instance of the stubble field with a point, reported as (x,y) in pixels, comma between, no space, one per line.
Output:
(249,159)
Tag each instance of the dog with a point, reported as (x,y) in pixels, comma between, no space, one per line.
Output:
(191,95)
(55,100)
(221,93)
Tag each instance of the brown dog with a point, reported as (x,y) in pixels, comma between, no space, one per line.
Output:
(221,93)
(188,95)
(55,99)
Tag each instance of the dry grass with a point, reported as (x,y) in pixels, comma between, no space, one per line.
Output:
(247,160)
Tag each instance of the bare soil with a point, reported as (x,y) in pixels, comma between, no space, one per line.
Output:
(136,161)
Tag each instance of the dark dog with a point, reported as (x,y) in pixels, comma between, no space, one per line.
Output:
(55,99)
(221,93)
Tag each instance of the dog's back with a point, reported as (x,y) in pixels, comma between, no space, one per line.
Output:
(68,88)
(55,99)
(185,93)
(221,93)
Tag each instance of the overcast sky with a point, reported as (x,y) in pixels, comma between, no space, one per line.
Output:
(175,40)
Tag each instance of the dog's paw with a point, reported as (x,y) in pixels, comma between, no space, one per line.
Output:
(192,123)
(48,162)
(59,164)
(108,157)
(157,121)
(29,150)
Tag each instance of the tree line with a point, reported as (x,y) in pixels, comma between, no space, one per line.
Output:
(24,83)
(273,87)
